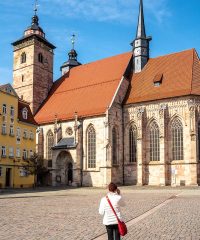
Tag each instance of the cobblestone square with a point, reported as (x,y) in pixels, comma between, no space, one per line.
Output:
(151,213)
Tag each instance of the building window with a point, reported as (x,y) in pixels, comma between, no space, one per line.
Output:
(50,144)
(18,153)
(25,154)
(11,152)
(177,140)
(3,151)
(133,144)
(40,58)
(18,135)
(114,146)
(23,57)
(22,78)
(12,112)
(11,130)
(31,153)
(18,132)
(25,134)
(25,113)
(4,109)
(91,147)
(31,135)
(154,142)
(0,171)
(4,129)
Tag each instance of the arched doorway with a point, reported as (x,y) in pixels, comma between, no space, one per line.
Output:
(64,169)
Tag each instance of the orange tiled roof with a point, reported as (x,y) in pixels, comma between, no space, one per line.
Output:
(180,76)
(87,89)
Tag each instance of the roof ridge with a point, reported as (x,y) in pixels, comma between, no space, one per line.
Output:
(103,59)
(169,54)
(86,86)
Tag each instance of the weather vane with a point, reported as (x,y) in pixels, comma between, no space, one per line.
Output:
(36,6)
(73,40)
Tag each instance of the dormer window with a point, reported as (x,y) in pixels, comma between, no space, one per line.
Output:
(23,57)
(4,109)
(158,80)
(25,113)
(40,58)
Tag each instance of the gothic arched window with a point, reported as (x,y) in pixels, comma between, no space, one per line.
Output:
(40,57)
(177,140)
(154,142)
(23,57)
(132,144)
(50,143)
(91,147)
(114,146)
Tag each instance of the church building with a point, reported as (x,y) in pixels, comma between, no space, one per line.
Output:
(130,118)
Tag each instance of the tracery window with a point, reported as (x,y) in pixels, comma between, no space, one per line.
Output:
(154,142)
(177,140)
(114,146)
(91,147)
(23,57)
(132,144)
(50,144)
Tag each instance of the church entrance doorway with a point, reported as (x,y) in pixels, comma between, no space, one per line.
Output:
(70,173)
(64,169)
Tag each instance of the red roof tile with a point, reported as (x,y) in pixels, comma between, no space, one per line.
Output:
(181,76)
(87,89)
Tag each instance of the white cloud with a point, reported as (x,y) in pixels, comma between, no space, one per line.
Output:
(105,10)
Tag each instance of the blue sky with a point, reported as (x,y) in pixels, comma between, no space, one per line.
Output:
(103,27)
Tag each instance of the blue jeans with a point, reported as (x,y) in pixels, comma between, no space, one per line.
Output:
(113,232)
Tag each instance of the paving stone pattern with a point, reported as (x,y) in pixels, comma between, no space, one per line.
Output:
(73,214)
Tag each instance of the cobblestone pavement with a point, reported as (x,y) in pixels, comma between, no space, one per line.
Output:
(73,214)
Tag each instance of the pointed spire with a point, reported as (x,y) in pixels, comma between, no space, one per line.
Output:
(140,43)
(141,26)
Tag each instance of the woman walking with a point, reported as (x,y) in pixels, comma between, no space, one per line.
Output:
(109,218)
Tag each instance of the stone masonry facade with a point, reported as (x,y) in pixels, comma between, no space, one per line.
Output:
(32,79)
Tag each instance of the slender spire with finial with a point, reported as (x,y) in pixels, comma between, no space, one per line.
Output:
(36,7)
(72,61)
(73,40)
(141,26)
(141,43)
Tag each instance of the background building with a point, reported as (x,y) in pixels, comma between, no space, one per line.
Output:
(17,139)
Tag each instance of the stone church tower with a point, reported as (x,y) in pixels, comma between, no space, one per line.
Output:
(33,65)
